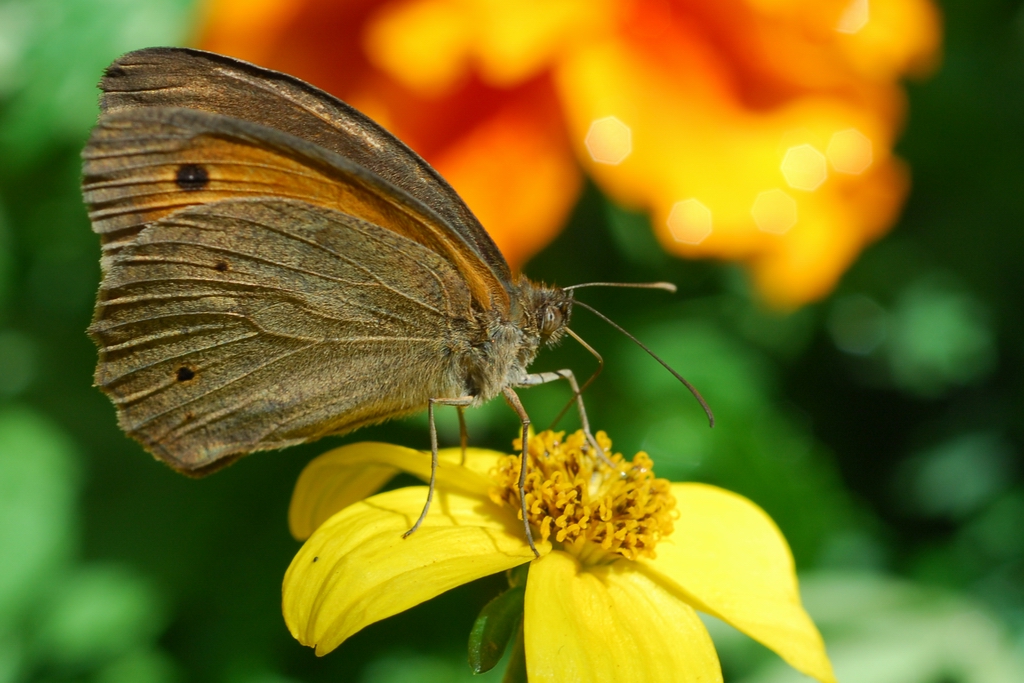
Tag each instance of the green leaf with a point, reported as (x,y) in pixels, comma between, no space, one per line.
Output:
(515,672)
(494,627)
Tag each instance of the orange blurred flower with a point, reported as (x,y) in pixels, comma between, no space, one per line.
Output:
(751,130)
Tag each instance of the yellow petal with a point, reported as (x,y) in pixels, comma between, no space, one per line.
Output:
(246,28)
(423,44)
(728,559)
(896,36)
(357,569)
(515,170)
(340,477)
(686,107)
(610,624)
(516,41)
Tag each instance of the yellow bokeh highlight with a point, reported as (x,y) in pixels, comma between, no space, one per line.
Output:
(431,45)
(901,37)
(424,44)
(517,40)
(850,151)
(231,24)
(513,206)
(609,141)
(854,17)
(774,211)
(804,168)
(689,221)
(720,100)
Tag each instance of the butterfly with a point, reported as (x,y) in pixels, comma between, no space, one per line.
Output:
(277,268)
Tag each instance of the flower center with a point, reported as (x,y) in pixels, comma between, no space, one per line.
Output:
(591,509)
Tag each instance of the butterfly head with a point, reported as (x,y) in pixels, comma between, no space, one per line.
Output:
(552,308)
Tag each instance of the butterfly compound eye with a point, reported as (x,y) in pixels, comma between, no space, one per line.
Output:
(551,321)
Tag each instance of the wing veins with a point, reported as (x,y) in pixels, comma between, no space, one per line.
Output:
(291,294)
(187,427)
(155,337)
(346,259)
(115,326)
(226,384)
(284,266)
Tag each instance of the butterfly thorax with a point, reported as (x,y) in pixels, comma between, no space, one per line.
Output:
(508,344)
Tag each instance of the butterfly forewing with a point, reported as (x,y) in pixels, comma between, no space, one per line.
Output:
(143,164)
(181,77)
(243,325)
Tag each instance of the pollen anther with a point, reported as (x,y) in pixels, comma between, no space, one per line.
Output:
(580,502)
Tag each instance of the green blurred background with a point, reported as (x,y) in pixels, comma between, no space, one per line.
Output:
(881,428)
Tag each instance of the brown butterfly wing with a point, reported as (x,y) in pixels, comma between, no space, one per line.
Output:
(143,164)
(181,77)
(248,324)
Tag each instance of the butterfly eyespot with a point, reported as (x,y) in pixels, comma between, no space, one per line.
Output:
(185,374)
(315,559)
(221,266)
(192,177)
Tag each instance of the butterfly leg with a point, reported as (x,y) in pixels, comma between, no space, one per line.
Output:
(463,434)
(513,400)
(536,378)
(461,403)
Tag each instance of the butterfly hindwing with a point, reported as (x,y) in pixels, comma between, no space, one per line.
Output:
(248,324)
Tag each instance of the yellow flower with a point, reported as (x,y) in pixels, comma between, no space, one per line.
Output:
(625,558)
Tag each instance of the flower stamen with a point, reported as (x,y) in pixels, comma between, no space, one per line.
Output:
(578,501)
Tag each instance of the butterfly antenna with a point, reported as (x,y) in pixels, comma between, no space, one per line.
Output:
(666,286)
(600,367)
(693,389)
